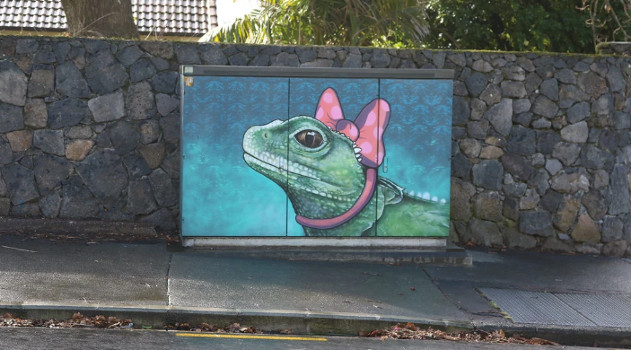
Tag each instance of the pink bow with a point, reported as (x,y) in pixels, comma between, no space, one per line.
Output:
(366,131)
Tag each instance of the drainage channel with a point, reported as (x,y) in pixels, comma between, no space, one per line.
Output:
(563,309)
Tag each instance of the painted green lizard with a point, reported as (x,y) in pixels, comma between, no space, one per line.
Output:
(332,183)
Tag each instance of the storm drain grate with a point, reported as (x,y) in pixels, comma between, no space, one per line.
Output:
(606,310)
(535,307)
(563,309)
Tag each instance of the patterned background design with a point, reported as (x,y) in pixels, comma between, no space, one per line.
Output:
(223,196)
(418,139)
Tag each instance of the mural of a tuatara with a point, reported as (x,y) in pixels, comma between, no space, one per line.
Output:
(328,167)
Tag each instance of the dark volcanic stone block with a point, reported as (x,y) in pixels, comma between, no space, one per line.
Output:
(104,174)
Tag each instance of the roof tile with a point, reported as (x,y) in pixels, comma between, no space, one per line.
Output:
(178,17)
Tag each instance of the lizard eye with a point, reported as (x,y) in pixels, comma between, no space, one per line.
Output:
(309,138)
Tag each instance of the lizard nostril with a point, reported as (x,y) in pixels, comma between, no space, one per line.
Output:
(265,135)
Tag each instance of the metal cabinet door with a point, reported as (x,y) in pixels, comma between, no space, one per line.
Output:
(221,194)
(417,156)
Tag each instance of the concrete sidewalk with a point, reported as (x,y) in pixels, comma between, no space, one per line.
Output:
(572,299)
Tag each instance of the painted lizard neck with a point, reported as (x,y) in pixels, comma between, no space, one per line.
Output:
(358,206)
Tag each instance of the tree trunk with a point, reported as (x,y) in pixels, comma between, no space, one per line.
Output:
(100,18)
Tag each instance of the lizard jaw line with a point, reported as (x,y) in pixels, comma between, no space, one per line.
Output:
(282,171)
(280,165)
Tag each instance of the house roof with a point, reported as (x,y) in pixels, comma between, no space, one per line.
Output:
(167,17)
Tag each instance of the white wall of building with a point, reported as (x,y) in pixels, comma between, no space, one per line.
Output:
(229,10)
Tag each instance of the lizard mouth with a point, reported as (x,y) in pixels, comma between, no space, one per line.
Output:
(279,165)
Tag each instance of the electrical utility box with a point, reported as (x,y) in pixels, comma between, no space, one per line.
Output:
(315,156)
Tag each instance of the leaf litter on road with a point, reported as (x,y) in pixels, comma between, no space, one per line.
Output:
(410,331)
(205,327)
(398,331)
(77,321)
(80,321)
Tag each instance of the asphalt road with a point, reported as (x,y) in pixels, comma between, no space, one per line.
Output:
(82,339)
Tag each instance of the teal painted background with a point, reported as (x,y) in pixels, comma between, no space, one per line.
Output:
(418,139)
(222,196)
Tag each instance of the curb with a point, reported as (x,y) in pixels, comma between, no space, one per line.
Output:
(569,335)
(343,324)
(158,317)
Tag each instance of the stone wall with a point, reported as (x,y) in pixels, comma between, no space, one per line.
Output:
(541,143)
(622,48)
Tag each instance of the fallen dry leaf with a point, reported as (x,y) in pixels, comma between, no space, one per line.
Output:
(77,320)
(410,331)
